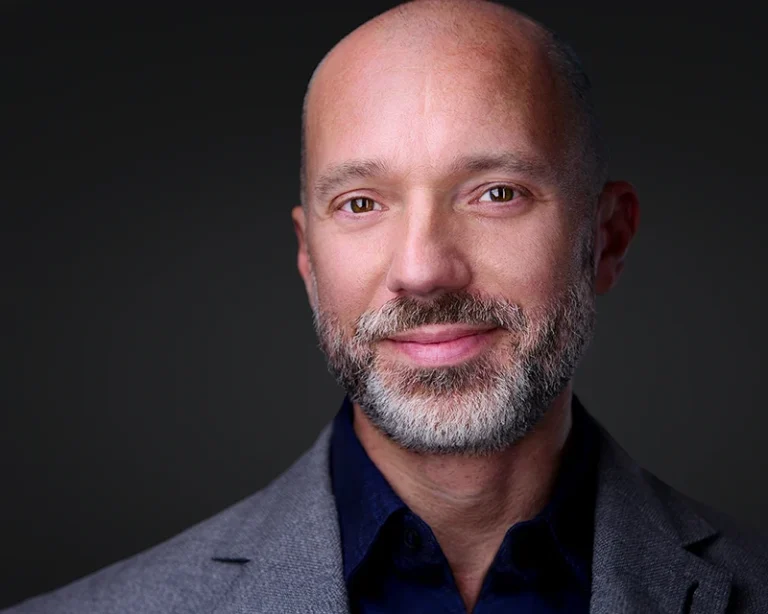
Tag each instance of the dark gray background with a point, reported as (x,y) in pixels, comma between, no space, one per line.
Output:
(158,359)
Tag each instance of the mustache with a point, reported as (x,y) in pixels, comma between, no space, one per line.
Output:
(407,312)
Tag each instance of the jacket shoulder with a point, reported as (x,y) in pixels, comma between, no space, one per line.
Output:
(734,543)
(176,574)
(651,539)
(191,571)
(731,545)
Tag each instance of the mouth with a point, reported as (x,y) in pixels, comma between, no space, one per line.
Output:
(441,345)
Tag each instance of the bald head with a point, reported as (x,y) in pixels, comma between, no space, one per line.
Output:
(453,171)
(471,36)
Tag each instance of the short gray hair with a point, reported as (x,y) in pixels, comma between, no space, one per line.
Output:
(592,149)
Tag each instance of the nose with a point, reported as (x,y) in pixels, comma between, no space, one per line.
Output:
(427,254)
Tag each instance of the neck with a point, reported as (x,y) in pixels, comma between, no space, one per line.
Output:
(469,502)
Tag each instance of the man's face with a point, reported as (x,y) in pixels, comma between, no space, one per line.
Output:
(449,259)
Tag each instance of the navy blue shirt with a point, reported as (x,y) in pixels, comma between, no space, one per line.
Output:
(393,563)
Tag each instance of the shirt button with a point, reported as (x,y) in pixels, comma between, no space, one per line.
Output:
(412,539)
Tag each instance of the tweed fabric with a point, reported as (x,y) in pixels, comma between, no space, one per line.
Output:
(278,552)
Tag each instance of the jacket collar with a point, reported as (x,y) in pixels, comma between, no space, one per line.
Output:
(644,560)
(645,542)
(288,544)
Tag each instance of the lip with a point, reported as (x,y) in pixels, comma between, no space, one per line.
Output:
(442,345)
(438,333)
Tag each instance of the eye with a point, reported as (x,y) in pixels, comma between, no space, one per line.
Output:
(499,194)
(360,204)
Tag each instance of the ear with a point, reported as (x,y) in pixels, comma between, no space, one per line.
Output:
(618,217)
(300,227)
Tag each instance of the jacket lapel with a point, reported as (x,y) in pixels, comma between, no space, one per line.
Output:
(288,546)
(644,557)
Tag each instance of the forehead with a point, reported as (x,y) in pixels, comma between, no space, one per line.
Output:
(420,108)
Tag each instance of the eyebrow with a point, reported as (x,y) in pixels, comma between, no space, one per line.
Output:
(342,173)
(509,162)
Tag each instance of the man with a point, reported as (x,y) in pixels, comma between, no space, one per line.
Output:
(456,224)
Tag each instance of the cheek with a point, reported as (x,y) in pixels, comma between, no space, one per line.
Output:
(527,261)
(350,271)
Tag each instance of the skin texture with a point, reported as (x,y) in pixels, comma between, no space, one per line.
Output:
(415,89)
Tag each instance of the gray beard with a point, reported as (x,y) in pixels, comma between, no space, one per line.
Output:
(481,406)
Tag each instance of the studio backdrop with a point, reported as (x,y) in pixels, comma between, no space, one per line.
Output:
(158,356)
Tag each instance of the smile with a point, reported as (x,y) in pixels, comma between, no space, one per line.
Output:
(441,345)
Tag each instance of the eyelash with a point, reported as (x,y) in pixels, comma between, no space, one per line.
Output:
(349,200)
(518,191)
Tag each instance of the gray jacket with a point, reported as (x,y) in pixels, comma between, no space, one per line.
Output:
(278,551)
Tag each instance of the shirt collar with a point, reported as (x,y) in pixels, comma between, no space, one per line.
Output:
(365,500)
(567,520)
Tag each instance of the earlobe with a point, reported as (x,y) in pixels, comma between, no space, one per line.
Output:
(618,220)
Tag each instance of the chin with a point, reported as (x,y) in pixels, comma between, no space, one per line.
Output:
(433,414)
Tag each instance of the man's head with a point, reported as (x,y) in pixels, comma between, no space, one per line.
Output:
(454,176)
